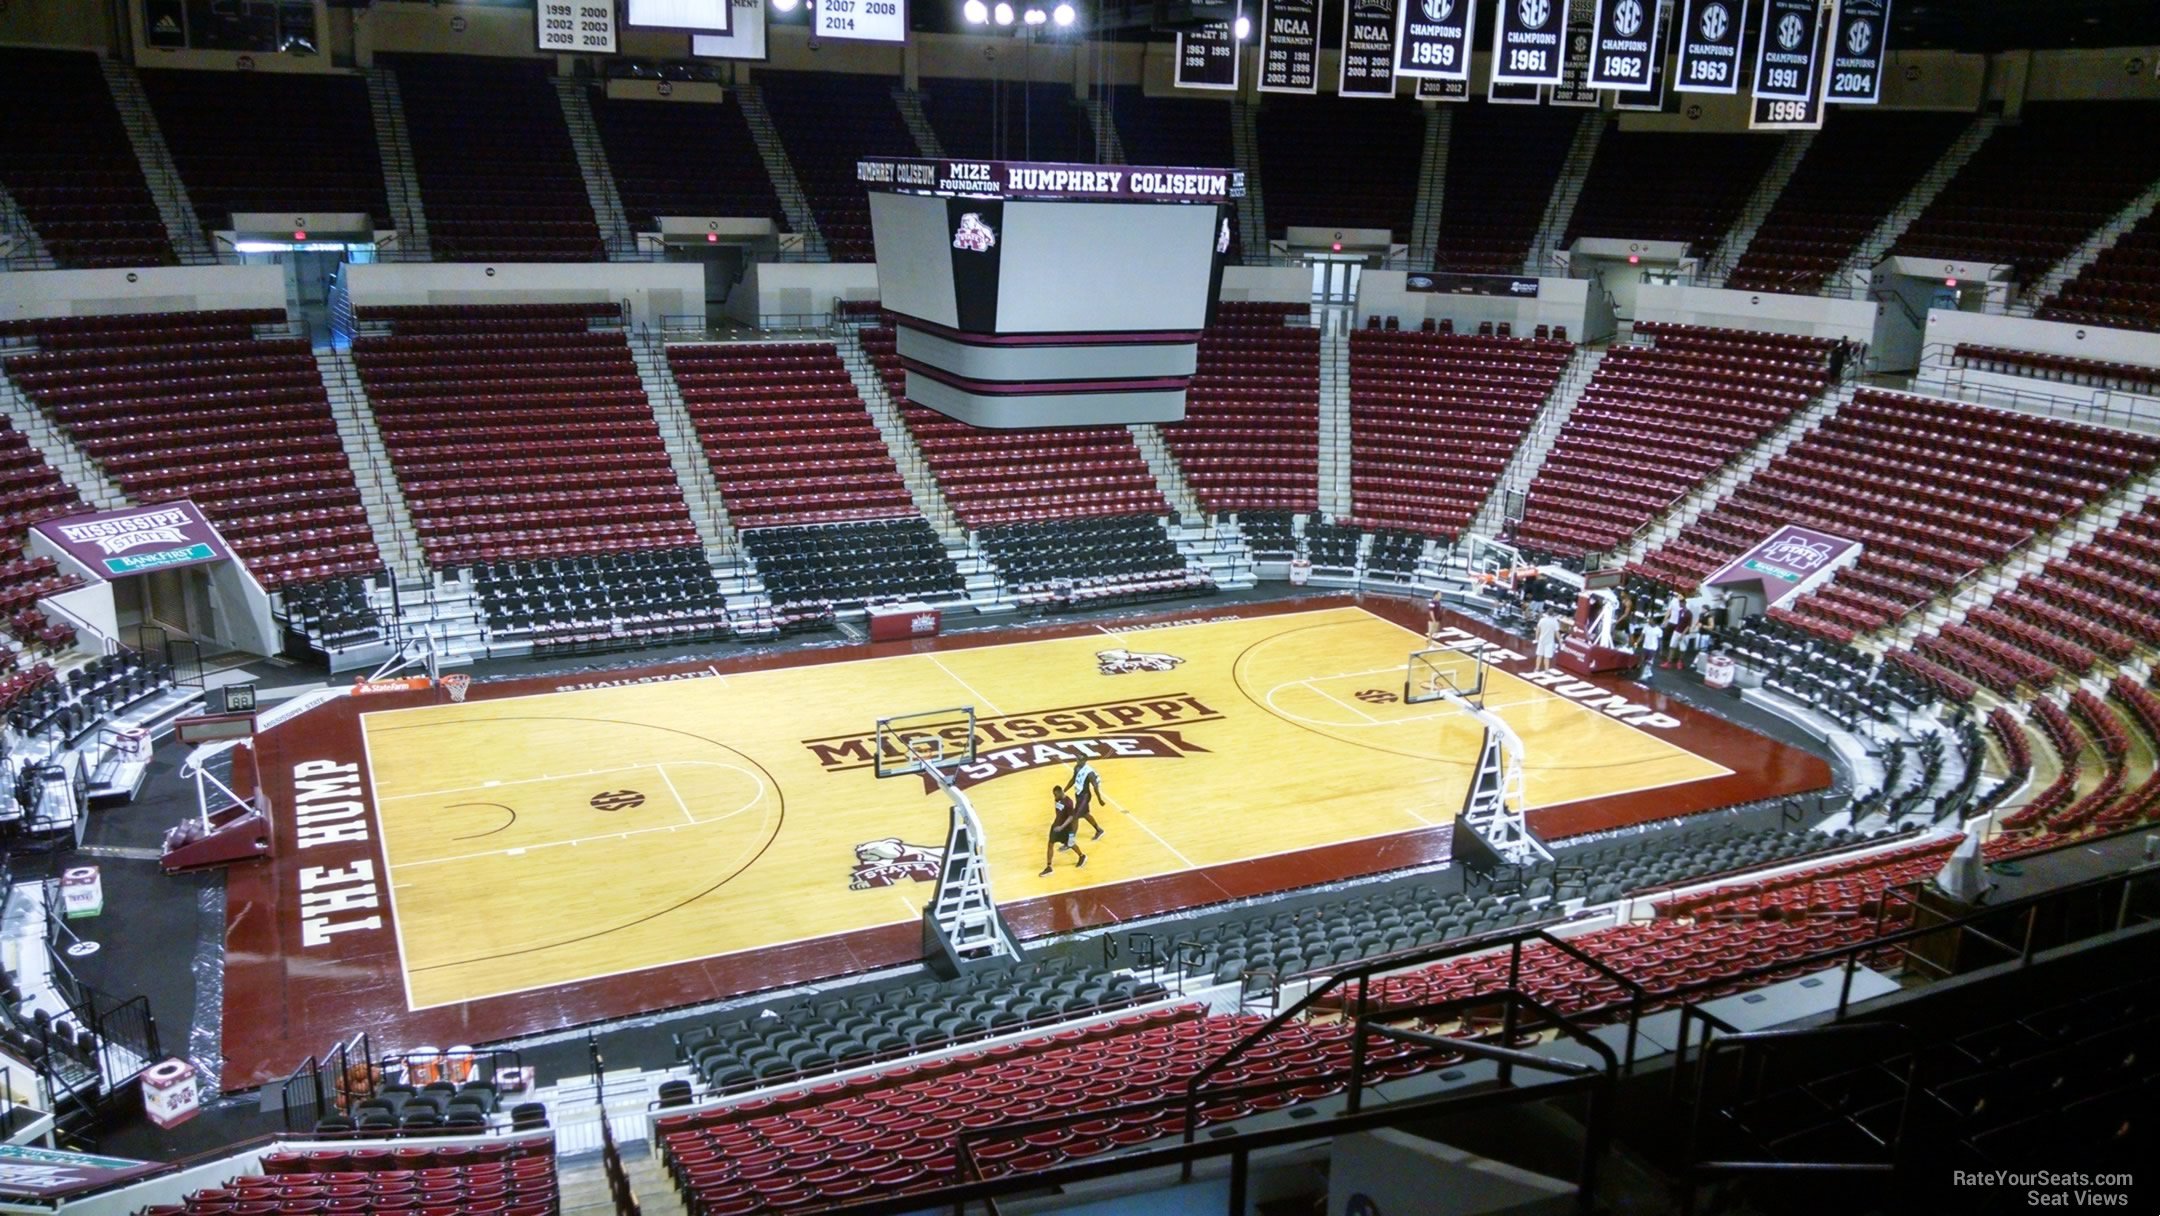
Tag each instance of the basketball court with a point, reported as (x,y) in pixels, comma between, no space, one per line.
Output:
(728,821)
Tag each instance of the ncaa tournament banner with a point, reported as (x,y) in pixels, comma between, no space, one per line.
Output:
(575,25)
(1432,38)
(1858,47)
(1789,562)
(1526,41)
(1207,56)
(1443,90)
(135,540)
(1709,46)
(1574,87)
(1785,52)
(1623,44)
(1290,46)
(1368,49)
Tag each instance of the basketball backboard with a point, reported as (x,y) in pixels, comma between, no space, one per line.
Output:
(915,743)
(1440,675)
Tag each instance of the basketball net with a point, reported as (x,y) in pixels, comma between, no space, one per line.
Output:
(456,684)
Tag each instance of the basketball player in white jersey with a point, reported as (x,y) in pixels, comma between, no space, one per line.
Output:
(1086,787)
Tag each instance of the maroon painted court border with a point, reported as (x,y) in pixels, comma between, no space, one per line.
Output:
(283,1003)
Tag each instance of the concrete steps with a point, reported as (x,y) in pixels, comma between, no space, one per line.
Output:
(1718,267)
(1857,272)
(686,451)
(401,184)
(72,463)
(1168,476)
(21,248)
(1537,443)
(1109,148)
(1567,191)
(592,160)
(2088,252)
(1245,156)
(380,494)
(1432,185)
(1336,498)
(777,166)
(1717,489)
(884,412)
(182,224)
(918,123)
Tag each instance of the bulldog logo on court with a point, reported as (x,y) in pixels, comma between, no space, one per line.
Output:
(881,863)
(973,235)
(1126,662)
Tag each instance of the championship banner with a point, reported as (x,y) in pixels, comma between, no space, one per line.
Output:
(1368,49)
(1574,87)
(1790,562)
(133,540)
(747,41)
(1859,44)
(1709,46)
(43,1173)
(1651,99)
(1623,44)
(575,25)
(1442,283)
(1432,38)
(1290,46)
(1032,179)
(1207,56)
(1526,41)
(860,20)
(1785,50)
(1443,90)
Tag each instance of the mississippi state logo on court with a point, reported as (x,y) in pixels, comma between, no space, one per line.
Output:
(1860,37)
(881,863)
(1715,21)
(1533,13)
(1627,19)
(1790,31)
(1125,662)
(1438,10)
(973,235)
(616,800)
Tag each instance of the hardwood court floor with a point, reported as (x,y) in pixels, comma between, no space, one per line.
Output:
(538,841)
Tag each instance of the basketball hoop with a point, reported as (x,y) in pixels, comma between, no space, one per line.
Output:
(456,685)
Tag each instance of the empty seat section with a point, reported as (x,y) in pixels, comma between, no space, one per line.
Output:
(1003,477)
(1098,561)
(491,152)
(2120,289)
(1251,435)
(1008,120)
(1331,163)
(1176,131)
(1934,489)
(496,1177)
(2141,378)
(294,143)
(2040,185)
(66,160)
(1656,421)
(1434,419)
(30,491)
(602,601)
(826,120)
(1502,163)
(520,433)
(192,405)
(1858,169)
(812,571)
(1668,186)
(684,158)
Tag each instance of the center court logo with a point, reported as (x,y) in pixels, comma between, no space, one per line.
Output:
(1126,662)
(1627,18)
(973,235)
(1715,22)
(1533,13)
(1141,728)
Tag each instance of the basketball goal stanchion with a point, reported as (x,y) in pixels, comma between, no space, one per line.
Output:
(961,925)
(1490,828)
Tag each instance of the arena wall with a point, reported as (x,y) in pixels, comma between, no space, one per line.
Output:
(72,293)
(1765,312)
(653,290)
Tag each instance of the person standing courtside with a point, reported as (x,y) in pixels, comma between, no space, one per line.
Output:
(1086,787)
(1064,820)
(1548,639)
